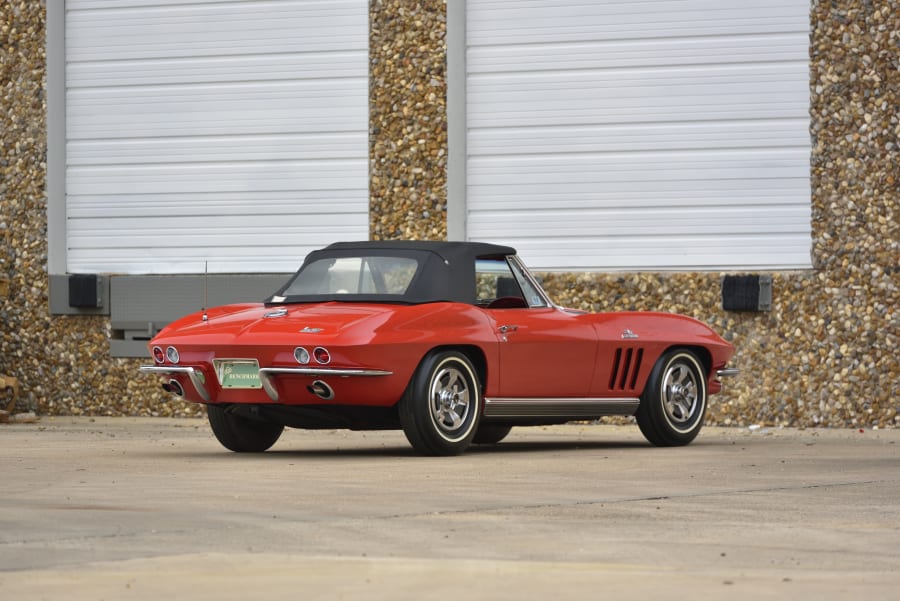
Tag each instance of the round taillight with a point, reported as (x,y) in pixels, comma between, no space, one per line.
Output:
(322,355)
(172,354)
(158,354)
(301,355)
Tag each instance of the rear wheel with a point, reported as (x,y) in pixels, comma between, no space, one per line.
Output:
(491,433)
(673,404)
(241,434)
(442,405)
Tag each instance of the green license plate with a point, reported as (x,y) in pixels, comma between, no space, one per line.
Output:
(238,373)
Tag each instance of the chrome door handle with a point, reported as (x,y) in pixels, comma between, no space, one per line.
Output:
(505,329)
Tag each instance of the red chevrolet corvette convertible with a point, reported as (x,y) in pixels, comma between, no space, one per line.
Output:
(454,342)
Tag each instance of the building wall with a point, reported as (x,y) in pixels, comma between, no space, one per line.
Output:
(825,354)
(407,120)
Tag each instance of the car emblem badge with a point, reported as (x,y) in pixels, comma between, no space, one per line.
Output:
(276,313)
(309,330)
(629,335)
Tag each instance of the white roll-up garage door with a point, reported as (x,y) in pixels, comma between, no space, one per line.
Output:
(640,135)
(233,133)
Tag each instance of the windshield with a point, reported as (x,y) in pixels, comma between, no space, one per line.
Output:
(498,283)
(362,275)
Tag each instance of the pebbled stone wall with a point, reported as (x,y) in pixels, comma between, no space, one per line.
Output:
(848,309)
(825,355)
(407,120)
(62,363)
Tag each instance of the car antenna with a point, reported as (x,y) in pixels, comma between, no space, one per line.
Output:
(205,289)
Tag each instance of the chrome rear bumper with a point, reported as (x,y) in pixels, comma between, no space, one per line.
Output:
(266,375)
(168,370)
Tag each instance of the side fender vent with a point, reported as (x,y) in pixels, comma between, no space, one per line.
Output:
(625,369)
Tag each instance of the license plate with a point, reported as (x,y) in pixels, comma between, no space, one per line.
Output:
(238,373)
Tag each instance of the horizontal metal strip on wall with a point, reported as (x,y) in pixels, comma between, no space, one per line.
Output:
(630,54)
(219,148)
(541,21)
(620,138)
(665,253)
(129,30)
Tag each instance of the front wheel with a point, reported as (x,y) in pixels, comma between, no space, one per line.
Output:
(241,434)
(673,404)
(442,405)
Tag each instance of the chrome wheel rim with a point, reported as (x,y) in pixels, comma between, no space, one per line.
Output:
(451,401)
(681,394)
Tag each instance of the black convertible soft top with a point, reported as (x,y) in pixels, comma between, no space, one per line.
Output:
(446,270)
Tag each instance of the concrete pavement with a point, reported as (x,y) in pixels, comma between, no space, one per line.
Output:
(123,508)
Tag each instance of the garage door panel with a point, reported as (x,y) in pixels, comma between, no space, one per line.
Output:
(214,110)
(628,54)
(166,231)
(191,204)
(190,29)
(640,111)
(668,253)
(220,148)
(682,220)
(598,169)
(304,65)
(219,177)
(220,132)
(746,192)
(538,21)
(163,259)
(653,95)
(687,118)
(617,137)
(159,246)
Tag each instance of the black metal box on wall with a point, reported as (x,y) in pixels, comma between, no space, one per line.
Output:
(85,291)
(747,293)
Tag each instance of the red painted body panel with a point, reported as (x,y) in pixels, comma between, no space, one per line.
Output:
(358,336)
(542,352)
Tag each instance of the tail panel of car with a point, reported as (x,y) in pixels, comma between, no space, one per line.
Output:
(388,340)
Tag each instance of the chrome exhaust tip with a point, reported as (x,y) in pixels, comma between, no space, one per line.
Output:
(174,386)
(321,390)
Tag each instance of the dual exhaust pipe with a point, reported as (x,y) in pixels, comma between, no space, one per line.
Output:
(319,388)
(174,386)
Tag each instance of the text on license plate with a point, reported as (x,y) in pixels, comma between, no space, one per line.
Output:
(238,373)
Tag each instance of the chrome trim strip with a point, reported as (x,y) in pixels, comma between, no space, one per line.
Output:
(267,373)
(574,408)
(324,371)
(532,280)
(192,373)
(728,372)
